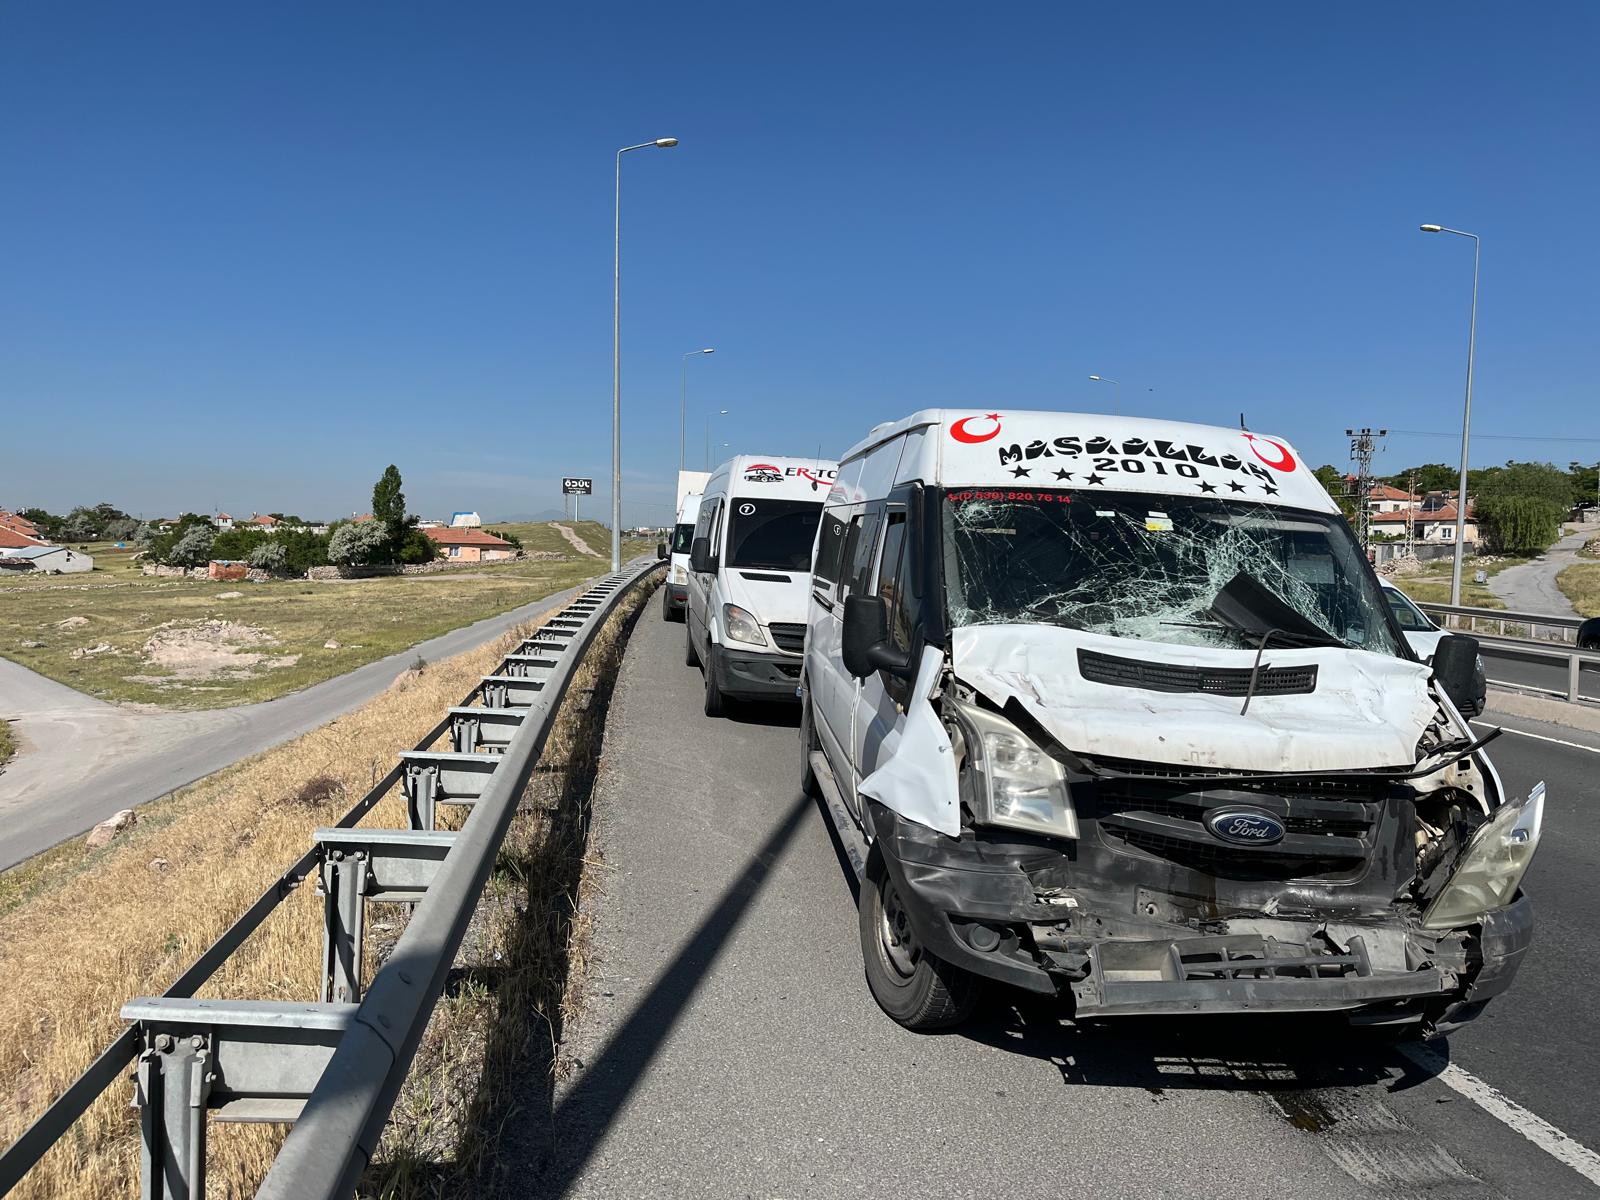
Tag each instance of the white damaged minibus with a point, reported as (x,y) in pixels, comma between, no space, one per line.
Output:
(750,575)
(1114,710)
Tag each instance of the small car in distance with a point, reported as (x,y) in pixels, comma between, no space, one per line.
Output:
(1423,636)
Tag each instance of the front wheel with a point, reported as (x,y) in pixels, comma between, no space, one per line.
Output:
(668,613)
(691,656)
(913,987)
(808,744)
(716,702)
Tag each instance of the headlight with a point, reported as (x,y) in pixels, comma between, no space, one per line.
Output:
(1018,784)
(1492,867)
(741,626)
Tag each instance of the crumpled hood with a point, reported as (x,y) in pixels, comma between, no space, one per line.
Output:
(1368,710)
(769,601)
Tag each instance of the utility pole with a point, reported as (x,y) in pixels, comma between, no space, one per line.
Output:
(1411,513)
(1363,445)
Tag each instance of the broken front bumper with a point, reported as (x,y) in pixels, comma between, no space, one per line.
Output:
(977,904)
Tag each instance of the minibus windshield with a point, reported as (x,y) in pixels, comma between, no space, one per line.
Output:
(1148,566)
(682,535)
(776,534)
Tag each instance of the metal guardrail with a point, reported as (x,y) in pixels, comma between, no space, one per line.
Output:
(1512,646)
(334,1066)
(1454,614)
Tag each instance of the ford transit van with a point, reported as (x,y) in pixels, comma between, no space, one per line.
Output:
(1115,710)
(750,576)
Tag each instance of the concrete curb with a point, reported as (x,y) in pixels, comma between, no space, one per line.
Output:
(1542,708)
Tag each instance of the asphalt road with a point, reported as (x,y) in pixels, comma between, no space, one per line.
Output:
(728,1045)
(1505,665)
(83,759)
(1532,587)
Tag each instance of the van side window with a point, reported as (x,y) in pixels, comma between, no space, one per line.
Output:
(860,543)
(893,583)
(830,549)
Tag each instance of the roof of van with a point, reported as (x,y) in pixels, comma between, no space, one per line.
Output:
(1084,451)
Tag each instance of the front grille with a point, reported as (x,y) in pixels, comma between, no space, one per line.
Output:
(788,637)
(1216,859)
(1213,681)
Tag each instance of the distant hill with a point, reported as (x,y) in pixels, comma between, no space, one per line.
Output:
(549,514)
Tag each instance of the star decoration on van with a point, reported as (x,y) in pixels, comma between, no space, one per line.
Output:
(1019,472)
(1269,489)
(1237,487)
(1063,474)
(1097,479)
(1206,487)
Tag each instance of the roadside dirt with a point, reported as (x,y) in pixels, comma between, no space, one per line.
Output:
(582,546)
(213,649)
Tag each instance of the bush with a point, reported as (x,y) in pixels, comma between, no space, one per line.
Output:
(516,542)
(418,547)
(358,544)
(237,545)
(270,556)
(303,550)
(193,549)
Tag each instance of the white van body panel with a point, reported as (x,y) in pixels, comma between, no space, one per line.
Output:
(918,778)
(773,595)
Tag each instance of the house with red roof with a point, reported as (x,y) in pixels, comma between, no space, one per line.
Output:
(471,545)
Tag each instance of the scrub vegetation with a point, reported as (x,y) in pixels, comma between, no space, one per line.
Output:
(188,643)
(81,932)
(1581,585)
(1432,585)
(8,745)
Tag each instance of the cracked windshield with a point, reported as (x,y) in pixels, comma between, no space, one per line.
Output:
(1146,566)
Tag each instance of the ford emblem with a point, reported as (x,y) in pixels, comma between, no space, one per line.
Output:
(1245,826)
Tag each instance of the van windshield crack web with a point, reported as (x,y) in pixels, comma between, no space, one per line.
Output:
(1146,566)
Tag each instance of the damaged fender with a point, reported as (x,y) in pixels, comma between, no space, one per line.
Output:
(918,776)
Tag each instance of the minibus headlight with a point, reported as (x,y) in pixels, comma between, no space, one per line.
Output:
(1491,869)
(741,626)
(1017,784)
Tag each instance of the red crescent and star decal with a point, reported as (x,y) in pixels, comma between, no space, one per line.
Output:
(960,432)
(1284,461)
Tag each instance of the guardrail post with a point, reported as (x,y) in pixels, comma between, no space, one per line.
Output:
(421,784)
(465,735)
(173,1084)
(344,883)
(1573,664)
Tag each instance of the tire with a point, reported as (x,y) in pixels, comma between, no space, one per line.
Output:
(917,990)
(716,702)
(691,657)
(808,743)
(667,614)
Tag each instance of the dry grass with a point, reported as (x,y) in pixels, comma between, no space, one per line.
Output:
(1581,585)
(8,745)
(502,1023)
(127,925)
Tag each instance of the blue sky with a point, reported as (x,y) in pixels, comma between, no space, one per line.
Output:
(253,254)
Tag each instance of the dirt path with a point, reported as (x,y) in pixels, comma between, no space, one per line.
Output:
(1532,586)
(583,547)
(80,759)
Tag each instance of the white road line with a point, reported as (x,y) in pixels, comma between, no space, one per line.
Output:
(1539,736)
(1508,1112)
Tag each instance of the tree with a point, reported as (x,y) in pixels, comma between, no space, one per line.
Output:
(417,547)
(1520,506)
(517,542)
(1332,481)
(163,545)
(389,507)
(1430,477)
(270,556)
(359,544)
(46,523)
(193,549)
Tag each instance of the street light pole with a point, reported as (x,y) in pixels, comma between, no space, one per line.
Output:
(721,412)
(683,404)
(616,356)
(1466,415)
(1117,393)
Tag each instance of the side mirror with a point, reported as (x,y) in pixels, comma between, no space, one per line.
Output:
(700,556)
(661,550)
(1589,634)
(1455,667)
(865,645)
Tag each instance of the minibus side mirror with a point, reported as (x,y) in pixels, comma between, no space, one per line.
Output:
(661,550)
(864,643)
(1455,664)
(701,560)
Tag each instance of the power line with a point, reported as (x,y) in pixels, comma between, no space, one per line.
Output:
(1499,437)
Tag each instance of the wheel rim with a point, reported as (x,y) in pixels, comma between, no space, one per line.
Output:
(897,943)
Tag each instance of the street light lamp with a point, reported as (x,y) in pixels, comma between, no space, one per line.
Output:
(1466,415)
(721,412)
(1117,393)
(616,356)
(683,404)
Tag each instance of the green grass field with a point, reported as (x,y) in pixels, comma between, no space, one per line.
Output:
(1581,585)
(8,745)
(1432,586)
(94,631)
